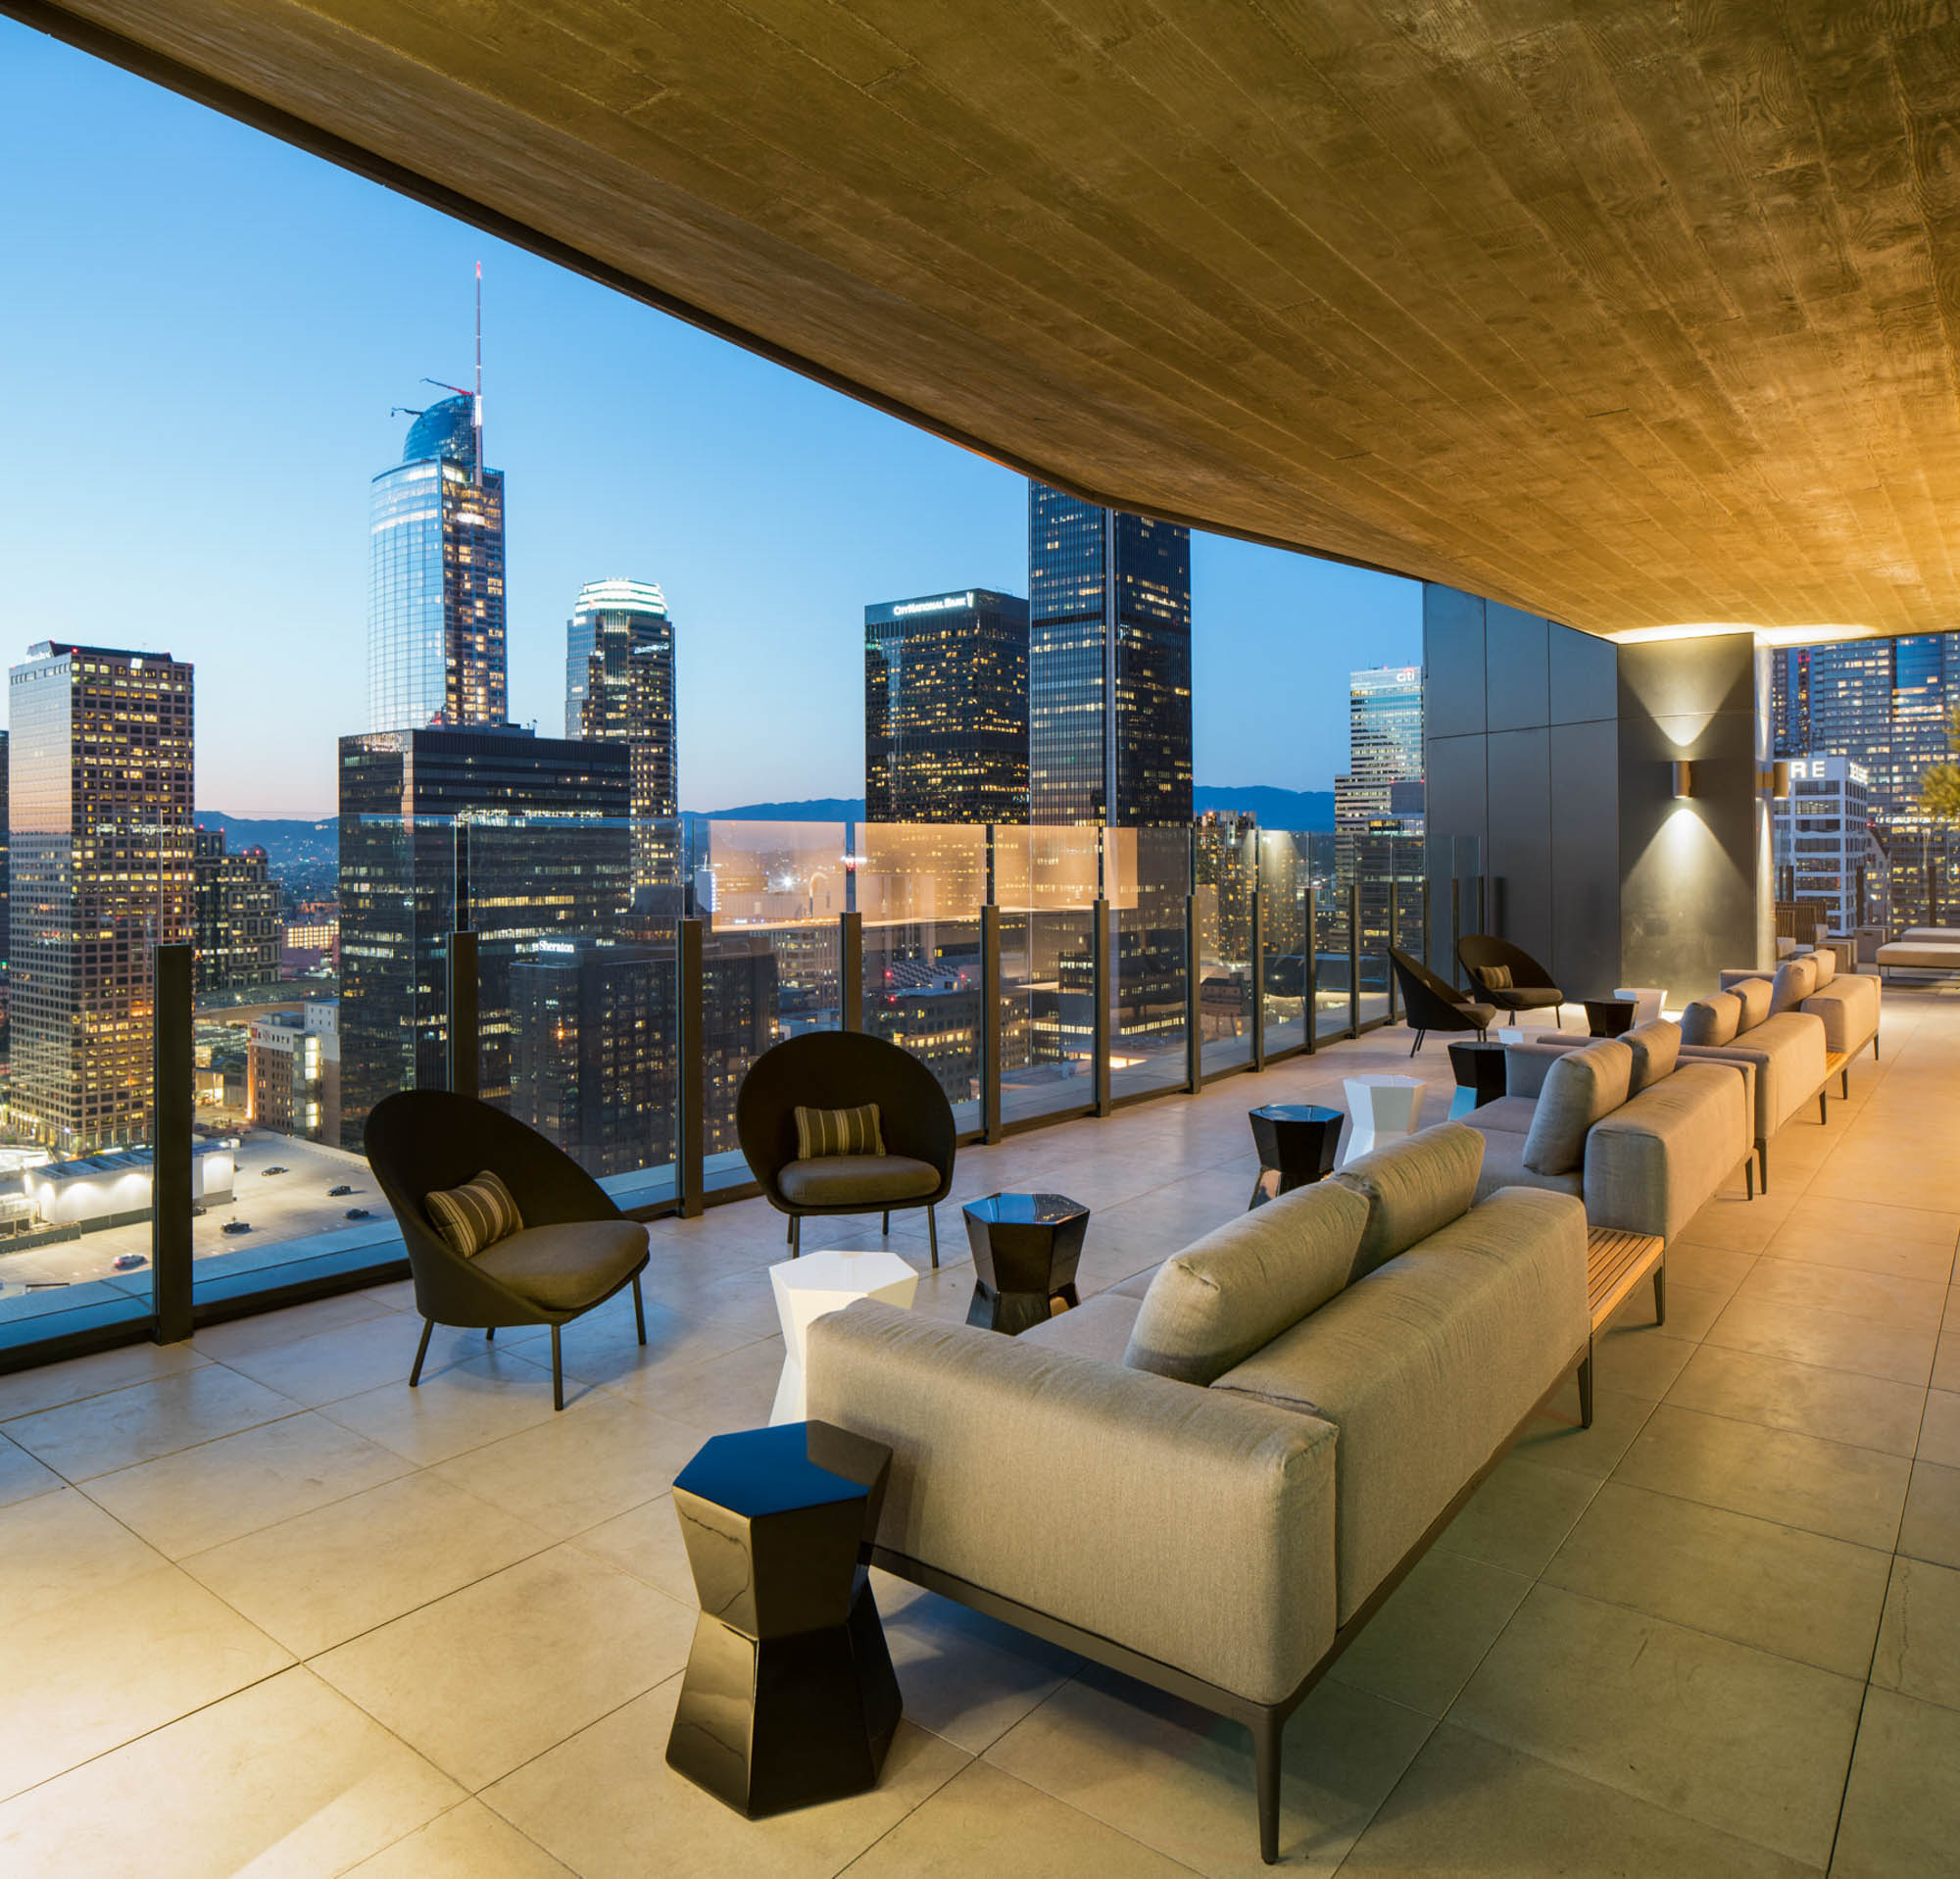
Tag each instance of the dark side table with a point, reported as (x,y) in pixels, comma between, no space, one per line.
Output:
(1026,1248)
(788,1697)
(1610,1016)
(1296,1142)
(1479,1069)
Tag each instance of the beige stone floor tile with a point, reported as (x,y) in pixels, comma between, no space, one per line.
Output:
(460,1407)
(116,1430)
(608,1805)
(1912,1302)
(1469,1809)
(693,1318)
(1902,1805)
(1805,1334)
(1778,1589)
(1691,1312)
(1707,1269)
(265,1329)
(23,1391)
(1939,1430)
(468,1842)
(573,1472)
(732,1392)
(1639,1359)
(283,1780)
(1421,1646)
(986,1821)
(1839,1405)
(1520,1517)
(61,1546)
(1907,1176)
(646,1542)
(398,1295)
(1773,1475)
(1947,1361)
(313,1581)
(1896,1242)
(963,1676)
(1731,1222)
(1181,1780)
(501,1670)
(22,1477)
(1559,1440)
(202,1497)
(346,1360)
(99,1669)
(1931,1529)
(1747,1743)
(1918,1643)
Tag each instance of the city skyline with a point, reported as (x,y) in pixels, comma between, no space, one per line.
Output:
(770,510)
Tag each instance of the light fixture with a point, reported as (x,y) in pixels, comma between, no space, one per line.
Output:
(1683,778)
(1822,632)
(1775,779)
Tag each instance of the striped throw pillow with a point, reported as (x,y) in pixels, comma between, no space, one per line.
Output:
(1492,978)
(821,1132)
(477,1214)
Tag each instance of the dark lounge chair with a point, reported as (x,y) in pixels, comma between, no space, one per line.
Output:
(576,1248)
(1431,1003)
(1527,986)
(839,1070)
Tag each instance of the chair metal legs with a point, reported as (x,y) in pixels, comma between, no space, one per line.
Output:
(421,1351)
(885,1226)
(1417,1045)
(639,1308)
(557,1373)
(795,1236)
(489,1334)
(932,1234)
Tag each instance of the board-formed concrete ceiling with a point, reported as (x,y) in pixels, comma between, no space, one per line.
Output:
(1631,313)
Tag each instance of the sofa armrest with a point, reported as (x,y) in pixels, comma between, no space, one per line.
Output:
(1661,1156)
(1752,1067)
(1190,1526)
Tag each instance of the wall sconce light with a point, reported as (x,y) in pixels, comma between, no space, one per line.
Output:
(1683,778)
(1775,779)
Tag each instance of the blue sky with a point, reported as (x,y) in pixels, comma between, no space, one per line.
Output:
(203,334)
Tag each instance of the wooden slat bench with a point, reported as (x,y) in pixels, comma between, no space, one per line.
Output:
(1616,1262)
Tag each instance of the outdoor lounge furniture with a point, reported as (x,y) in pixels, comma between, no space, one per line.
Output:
(576,1249)
(1760,1021)
(1432,1003)
(1921,948)
(1260,1439)
(844,1070)
(1509,976)
(1849,1003)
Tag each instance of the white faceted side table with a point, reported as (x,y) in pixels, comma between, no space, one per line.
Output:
(1648,999)
(1385,1109)
(819,1282)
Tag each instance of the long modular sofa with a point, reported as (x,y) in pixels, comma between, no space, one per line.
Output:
(1849,1003)
(1211,1477)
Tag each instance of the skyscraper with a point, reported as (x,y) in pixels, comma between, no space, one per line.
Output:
(1109,665)
(237,915)
(619,688)
(946,709)
(101,855)
(1377,805)
(435,580)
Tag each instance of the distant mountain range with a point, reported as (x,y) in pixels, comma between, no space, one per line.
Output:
(286,843)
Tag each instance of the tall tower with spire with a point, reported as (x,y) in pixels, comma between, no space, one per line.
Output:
(436,573)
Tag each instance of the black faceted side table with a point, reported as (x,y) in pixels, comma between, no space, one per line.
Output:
(1480,1072)
(1296,1142)
(788,1697)
(1610,1016)
(1026,1248)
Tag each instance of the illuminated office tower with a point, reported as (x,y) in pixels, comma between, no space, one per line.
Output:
(1379,805)
(435,579)
(946,709)
(1109,665)
(101,860)
(237,915)
(619,688)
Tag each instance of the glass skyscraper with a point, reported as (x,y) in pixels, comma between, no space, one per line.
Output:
(1109,665)
(946,709)
(435,580)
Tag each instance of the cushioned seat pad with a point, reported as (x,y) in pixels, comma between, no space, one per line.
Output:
(565,1269)
(857,1180)
(1098,1327)
(1527,998)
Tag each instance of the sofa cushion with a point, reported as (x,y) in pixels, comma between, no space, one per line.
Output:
(1755,994)
(1504,1164)
(569,1267)
(1713,1020)
(1243,1284)
(1428,1365)
(1655,1045)
(1511,1114)
(1795,979)
(1098,1327)
(1579,1089)
(1825,959)
(856,1180)
(1412,1188)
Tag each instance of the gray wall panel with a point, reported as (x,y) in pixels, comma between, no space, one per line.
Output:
(1585,857)
(1456,799)
(1518,791)
(1516,684)
(1585,677)
(1452,653)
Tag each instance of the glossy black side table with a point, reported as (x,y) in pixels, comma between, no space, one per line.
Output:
(788,1697)
(1026,1248)
(1296,1142)
(1479,1069)
(1610,1016)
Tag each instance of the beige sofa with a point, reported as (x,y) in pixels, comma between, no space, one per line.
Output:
(1921,948)
(1211,1478)
(1760,1022)
(1849,1003)
(1643,1138)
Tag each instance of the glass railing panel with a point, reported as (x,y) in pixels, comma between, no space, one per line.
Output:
(1284,870)
(1330,935)
(1045,883)
(1224,859)
(1147,879)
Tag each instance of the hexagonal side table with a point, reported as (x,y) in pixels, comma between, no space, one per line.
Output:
(1295,1144)
(1026,1248)
(788,1698)
(1385,1109)
(806,1288)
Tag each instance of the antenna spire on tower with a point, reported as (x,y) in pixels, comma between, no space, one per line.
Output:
(476,412)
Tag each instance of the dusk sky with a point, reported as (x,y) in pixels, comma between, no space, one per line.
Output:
(204,331)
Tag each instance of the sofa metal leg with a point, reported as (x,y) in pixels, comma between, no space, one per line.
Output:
(1586,1387)
(1763,1167)
(1824,1108)
(1749,1177)
(557,1373)
(421,1351)
(1660,1291)
(1844,1083)
(932,1235)
(639,1309)
(1266,1732)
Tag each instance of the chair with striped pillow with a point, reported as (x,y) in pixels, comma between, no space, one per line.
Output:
(841,1122)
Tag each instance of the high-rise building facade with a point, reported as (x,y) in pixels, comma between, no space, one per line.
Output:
(946,709)
(1378,804)
(1109,665)
(524,839)
(237,915)
(292,1077)
(619,688)
(435,581)
(101,768)
(1823,842)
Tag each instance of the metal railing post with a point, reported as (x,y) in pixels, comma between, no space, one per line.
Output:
(1394,934)
(1354,958)
(1258,985)
(1102,986)
(1310,975)
(172,1097)
(1455,929)
(464,1041)
(851,971)
(990,1023)
(691,1098)
(1194,1033)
